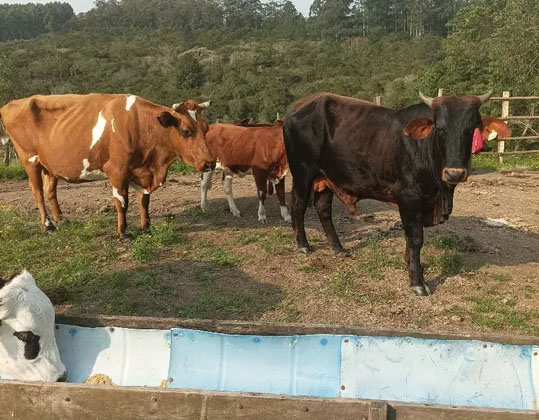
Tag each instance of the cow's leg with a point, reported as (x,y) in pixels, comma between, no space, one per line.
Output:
(279,189)
(413,229)
(227,186)
(261,181)
(322,204)
(50,183)
(205,186)
(120,189)
(301,190)
(143,205)
(36,184)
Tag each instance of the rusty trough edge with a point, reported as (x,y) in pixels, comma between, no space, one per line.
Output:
(266,328)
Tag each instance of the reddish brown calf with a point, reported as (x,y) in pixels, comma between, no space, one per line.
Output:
(250,148)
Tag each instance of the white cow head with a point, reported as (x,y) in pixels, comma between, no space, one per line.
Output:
(28,349)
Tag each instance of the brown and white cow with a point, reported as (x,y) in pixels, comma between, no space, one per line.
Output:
(82,138)
(249,148)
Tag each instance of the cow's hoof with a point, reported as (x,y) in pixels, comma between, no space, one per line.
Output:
(341,252)
(263,220)
(288,219)
(50,228)
(126,237)
(236,214)
(304,250)
(64,221)
(421,290)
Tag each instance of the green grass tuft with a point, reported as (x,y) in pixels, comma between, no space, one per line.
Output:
(181,168)
(12,171)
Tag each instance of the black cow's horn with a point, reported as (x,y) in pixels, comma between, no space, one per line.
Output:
(485,97)
(426,99)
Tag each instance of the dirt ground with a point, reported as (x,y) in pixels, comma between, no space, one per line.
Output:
(497,287)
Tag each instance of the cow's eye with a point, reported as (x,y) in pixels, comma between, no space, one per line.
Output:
(185,133)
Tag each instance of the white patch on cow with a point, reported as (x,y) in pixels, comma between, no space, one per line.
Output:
(262,212)
(98,130)
(205,186)
(117,195)
(218,165)
(260,193)
(493,134)
(48,222)
(193,114)
(227,186)
(138,188)
(113,126)
(33,159)
(285,214)
(129,102)
(95,175)
(26,308)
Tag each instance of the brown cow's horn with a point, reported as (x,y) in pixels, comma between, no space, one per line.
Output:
(426,99)
(485,97)
(176,107)
(204,105)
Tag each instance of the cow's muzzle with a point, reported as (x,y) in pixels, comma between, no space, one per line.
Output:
(63,377)
(453,176)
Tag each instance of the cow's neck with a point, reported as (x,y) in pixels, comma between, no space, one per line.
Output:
(431,154)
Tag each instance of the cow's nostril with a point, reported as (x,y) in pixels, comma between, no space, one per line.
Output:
(454,175)
(62,378)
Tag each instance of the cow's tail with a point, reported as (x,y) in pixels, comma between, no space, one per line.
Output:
(270,187)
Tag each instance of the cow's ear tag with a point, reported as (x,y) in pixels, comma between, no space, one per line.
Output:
(419,128)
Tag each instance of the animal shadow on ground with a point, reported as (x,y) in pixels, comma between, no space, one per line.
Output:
(184,288)
(478,244)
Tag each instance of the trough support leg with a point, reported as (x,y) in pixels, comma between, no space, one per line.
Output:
(378,411)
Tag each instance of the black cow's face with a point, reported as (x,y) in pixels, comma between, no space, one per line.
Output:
(456,120)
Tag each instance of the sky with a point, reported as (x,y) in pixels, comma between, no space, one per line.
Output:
(84,5)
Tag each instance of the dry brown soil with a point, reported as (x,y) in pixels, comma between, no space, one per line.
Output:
(497,289)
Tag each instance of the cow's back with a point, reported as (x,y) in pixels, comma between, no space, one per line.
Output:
(62,131)
(247,146)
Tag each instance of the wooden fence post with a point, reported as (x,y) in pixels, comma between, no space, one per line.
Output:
(505,114)
(378,100)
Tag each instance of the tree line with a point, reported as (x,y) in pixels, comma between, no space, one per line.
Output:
(254,59)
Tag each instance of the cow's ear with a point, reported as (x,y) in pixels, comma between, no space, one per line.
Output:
(419,128)
(166,119)
(494,128)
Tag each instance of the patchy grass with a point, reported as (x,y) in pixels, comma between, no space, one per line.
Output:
(12,171)
(181,168)
(374,259)
(146,246)
(215,254)
(500,278)
(490,162)
(443,254)
(496,315)
(273,240)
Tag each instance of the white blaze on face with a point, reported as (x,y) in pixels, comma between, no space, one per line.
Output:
(28,349)
(117,195)
(95,175)
(98,129)
(129,102)
(193,114)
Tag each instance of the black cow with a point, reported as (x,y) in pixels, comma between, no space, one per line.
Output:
(412,157)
